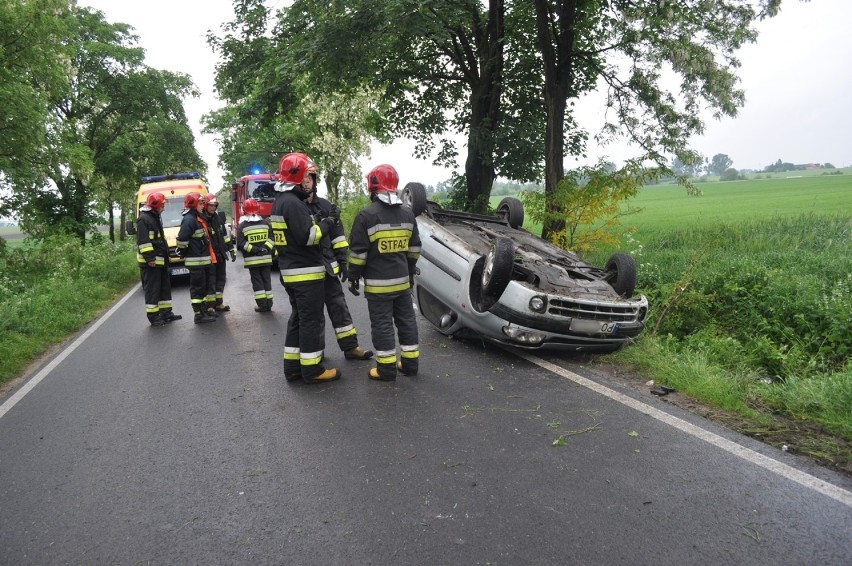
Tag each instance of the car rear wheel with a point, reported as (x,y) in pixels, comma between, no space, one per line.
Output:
(413,196)
(512,210)
(621,274)
(497,270)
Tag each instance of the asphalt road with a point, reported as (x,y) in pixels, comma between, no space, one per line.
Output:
(184,445)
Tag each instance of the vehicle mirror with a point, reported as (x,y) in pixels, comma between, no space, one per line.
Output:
(221,215)
(130,227)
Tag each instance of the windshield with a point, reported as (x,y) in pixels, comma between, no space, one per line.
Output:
(262,190)
(172,213)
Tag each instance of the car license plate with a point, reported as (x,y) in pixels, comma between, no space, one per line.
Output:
(593,326)
(178,271)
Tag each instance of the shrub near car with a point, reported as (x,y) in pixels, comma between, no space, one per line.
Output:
(483,275)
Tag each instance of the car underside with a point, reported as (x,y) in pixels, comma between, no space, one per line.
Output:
(483,275)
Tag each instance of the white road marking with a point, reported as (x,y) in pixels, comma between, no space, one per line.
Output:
(807,480)
(29,385)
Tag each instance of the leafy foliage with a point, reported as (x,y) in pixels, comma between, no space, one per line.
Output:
(98,133)
(591,205)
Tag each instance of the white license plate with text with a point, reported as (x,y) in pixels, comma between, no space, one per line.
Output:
(593,326)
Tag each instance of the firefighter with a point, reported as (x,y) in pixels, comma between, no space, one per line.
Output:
(153,258)
(384,248)
(223,247)
(193,244)
(254,239)
(297,236)
(335,251)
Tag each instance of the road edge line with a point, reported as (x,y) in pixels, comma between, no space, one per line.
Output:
(802,478)
(45,371)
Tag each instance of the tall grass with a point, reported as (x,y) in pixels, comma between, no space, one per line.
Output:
(48,290)
(761,301)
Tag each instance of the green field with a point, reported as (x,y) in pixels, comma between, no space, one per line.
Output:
(668,207)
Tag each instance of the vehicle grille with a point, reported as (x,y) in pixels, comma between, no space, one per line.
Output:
(592,311)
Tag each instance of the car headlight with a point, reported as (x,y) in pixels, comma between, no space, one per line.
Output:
(643,312)
(538,303)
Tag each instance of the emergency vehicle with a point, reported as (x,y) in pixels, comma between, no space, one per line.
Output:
(260,187)
(174,187)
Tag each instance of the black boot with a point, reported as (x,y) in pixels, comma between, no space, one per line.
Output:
(202,316)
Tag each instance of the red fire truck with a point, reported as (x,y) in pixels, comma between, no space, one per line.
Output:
(260,187)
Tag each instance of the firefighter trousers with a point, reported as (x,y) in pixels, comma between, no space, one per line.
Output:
(220,276)
(261,284)
(385,313)
(158,291)
(338,312)
(304,343)
(199,286)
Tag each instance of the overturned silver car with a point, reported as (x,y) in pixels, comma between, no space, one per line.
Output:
(483,275)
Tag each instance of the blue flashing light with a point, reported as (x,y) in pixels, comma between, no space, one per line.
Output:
(256,171)
(173,176)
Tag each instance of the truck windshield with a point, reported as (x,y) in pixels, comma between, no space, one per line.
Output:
(262,190)
(171,215)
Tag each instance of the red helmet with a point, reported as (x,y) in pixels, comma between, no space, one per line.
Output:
(156,201)
(292,168)
(383,178)
(190,201)
(251,206)
(211,199)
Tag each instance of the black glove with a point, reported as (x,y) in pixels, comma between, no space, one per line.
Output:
(344,271)
(233,254)
(334,213)
(354,284)
(411,279)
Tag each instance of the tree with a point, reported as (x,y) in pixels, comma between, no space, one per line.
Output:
(719,164)
(439,68)
(272,109)
(112,102)
(33,70)
(626,46)
(468,66)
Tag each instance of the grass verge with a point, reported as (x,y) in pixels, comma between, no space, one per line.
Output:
(49,290)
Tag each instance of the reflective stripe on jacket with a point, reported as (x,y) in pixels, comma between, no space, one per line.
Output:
(384,247)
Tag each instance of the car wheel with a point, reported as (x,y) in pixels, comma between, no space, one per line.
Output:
(621,274)
(512,210)
(414,197)
(497,270)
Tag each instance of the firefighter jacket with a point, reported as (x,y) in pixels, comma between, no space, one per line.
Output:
(297,236)
(220,239)
(150,240)
(384,247)
(254,240)
(193,240)
(335,248)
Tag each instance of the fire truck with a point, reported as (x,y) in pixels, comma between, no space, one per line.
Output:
(260,187)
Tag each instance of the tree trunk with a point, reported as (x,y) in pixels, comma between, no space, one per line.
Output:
(485,96)
(111,223)
(557,52)
(122,225)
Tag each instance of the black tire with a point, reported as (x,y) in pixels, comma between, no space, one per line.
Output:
(413,196)
(621,274)
(512,210)
(497,269)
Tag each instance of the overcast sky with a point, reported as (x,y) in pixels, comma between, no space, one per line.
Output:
(796,77)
